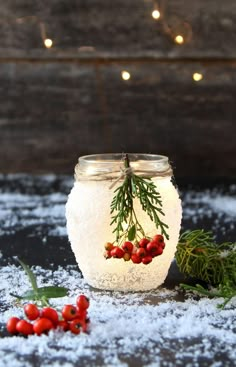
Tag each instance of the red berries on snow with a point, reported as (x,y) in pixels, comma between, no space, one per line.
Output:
(42,325)
(11,325)
(69,312)
(72,317)
(76,326)
(31,311)
(142,252)
(50,314)
(64,325)
(82,302)
(24,327)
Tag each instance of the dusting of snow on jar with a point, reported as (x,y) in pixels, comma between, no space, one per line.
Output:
(88,221)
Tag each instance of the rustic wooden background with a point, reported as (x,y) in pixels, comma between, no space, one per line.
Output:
(59,103)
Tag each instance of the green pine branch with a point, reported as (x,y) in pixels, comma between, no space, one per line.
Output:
(200,257)
(123,215)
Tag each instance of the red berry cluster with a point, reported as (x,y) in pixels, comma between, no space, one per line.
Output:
(142,252)
(73,318)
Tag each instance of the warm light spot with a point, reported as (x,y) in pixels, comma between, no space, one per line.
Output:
(197,77)
(179,39)
(48,43)
(156,14)
(125,75)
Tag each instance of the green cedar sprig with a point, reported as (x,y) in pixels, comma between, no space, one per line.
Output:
(200,257)
(122,208)
(226,290)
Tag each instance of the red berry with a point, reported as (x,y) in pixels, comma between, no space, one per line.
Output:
(31,311)
(69,312)
(85,326)
(127,246)
(153,249)
(81,314)
(141,252)
(107,254)
(143,242)
(42,325)
(163,245)
(117,252)
(82,302)
(152,242)
(159,251)
(76,326)
(24,327)
(158,238)
(136,259)
(64,325)
(83,318)
(146,260)
(108,246)
(127,256)
(51,314)
(11,325)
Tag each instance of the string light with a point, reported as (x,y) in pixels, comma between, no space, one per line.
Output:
(34,19)
(197,77)
(48,43)
(179,39)
(156,14)
(125,75)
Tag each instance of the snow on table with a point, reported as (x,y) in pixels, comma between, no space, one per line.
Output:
(139,329)
(156,328)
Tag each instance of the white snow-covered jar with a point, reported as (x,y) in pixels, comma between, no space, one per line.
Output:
(88,221)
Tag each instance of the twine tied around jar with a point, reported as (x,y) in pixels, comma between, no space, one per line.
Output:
(127,171)
(117,175)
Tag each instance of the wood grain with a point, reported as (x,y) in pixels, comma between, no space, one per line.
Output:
(122,29)
(57,104)
(51,113)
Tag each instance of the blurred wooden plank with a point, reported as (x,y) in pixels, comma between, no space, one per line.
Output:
(52,113)
(164,110)
(125,29)
(45,114)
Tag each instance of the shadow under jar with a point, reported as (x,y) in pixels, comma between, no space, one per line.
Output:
(88,220)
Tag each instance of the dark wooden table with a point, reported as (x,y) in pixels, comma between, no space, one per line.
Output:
(32,226)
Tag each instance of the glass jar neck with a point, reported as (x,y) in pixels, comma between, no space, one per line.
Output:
(110,165)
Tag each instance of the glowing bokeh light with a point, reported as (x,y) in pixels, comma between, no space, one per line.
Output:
(48,43)
(125,75)
(156,14)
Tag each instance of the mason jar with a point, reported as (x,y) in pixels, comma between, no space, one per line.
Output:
(88,220)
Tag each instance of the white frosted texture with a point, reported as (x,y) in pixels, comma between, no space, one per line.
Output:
(88,226)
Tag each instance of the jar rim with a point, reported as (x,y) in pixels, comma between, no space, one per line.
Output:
(105,158)
(110,164)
